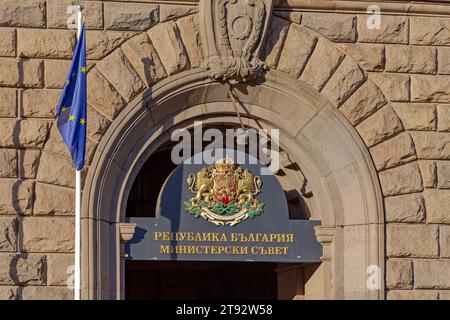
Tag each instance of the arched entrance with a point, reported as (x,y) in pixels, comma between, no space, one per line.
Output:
(209,278)
(316,139)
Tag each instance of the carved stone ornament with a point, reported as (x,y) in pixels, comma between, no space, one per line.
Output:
(126,231)
(233,32)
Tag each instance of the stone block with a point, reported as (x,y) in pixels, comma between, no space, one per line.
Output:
(444,295)
(380,126)
(91,147)
(119,72)
(428,169)
(38,43)
(56,170)
(8,234)
(298,46)
(393,152)
(344,82)
(335,27)
(55,143)
(57,14)
(444,241)
(56,73)
(417,116)
(59,269)
(47,234)
(8,163)
(321,65)
(412,295)
(369,56)
(174,11)
(432,274)
(23,269)
(8,293)
(7,42)
(393,29)
(102,95)
(190,35)
(426,88)
(432,145)
(405,208)
(40,103)
(412,59)
(21,73)
(144,59)
(29,162)
(292,16)
(101,43)
(430,31)
(444,60)
(23,133)
(53,200)
(401,180)
(16,196)
(33,133)
(130,16)
(24,13)
(97,124)
(399,274)
(8,103)
(46,293)
(443,173)
(438,205)
(364,102)
(276,37)
(443,116)
(166,40)
(394,86)
(412,240)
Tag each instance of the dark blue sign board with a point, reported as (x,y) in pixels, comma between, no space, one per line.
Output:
(267,235)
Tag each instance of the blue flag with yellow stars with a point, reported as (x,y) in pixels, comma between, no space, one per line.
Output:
(71,108)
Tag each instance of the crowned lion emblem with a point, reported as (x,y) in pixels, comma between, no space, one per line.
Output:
(224,194)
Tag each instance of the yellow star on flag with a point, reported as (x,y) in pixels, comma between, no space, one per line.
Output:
(67,82)
(63,109)
(72,117)
(83,69)
(82,121)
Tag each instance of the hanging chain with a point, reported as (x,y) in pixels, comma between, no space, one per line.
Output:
(234,102)
(243,137)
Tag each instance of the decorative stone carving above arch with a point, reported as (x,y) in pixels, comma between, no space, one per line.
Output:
(233,34)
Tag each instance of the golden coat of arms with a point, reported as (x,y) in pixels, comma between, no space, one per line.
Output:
(224,194)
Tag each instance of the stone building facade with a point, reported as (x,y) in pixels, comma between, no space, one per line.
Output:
(364,112)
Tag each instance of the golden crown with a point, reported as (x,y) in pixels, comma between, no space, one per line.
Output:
(224,165)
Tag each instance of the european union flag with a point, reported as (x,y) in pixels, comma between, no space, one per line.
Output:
(71,108)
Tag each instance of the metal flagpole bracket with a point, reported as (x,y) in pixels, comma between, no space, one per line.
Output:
(73,12)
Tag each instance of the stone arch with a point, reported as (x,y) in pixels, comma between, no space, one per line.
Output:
(147,122)
(301,61)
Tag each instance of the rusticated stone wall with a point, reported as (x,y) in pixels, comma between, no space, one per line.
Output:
(392,84)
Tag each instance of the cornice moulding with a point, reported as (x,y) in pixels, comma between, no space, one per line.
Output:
(413,8)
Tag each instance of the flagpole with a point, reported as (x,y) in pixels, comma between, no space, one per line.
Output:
(77,292)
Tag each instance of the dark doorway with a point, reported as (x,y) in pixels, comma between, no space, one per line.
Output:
(170,280)
(147,185)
